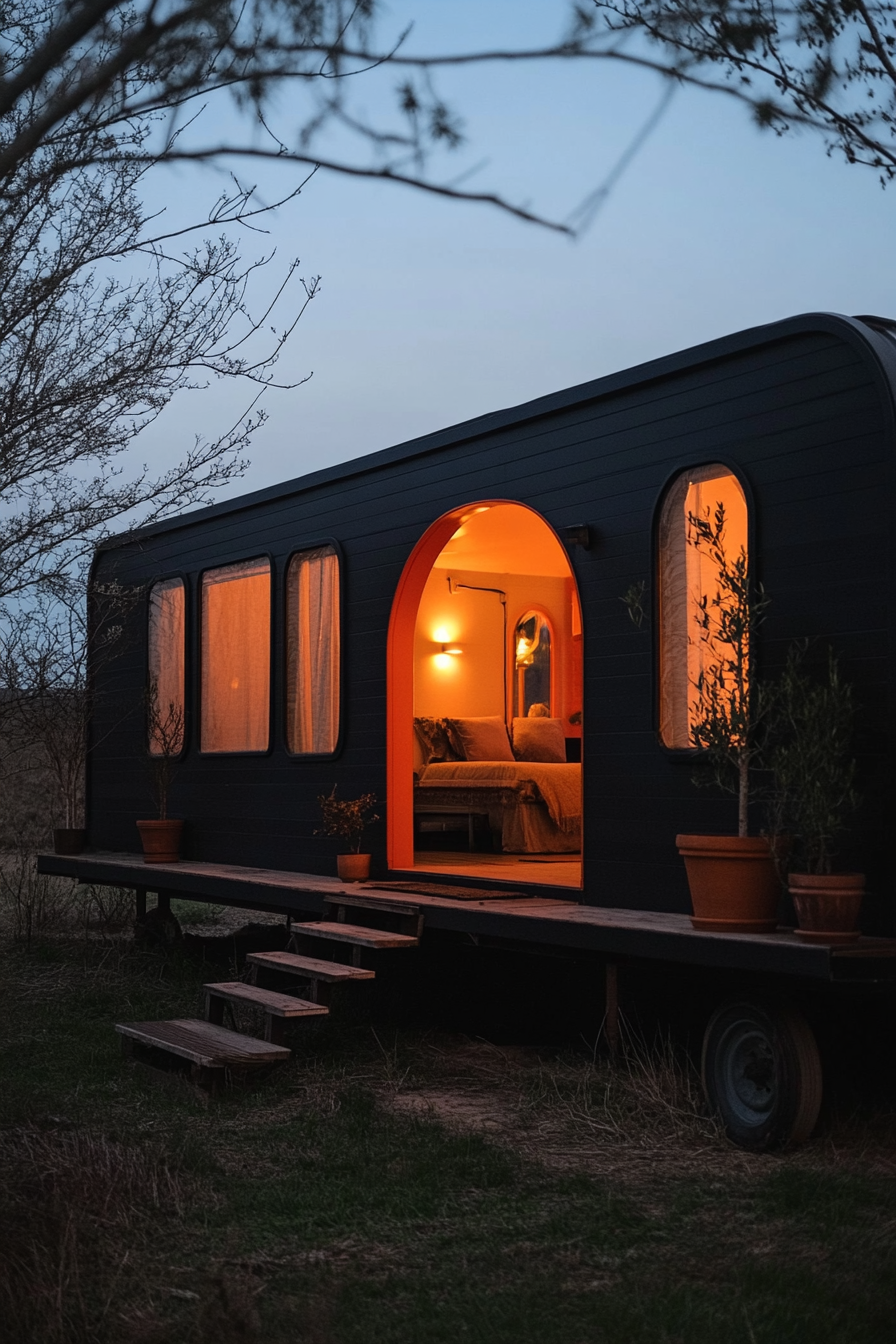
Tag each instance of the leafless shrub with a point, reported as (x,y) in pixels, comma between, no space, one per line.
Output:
(66,1198)
(31,902)
(110,909)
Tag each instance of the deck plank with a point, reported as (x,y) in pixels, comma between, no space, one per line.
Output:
(539,920)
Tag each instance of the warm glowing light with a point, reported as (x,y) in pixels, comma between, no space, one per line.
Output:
(235,684)
(442,635)
(455,651)
(443,661)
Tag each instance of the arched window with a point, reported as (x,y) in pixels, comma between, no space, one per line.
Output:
(688,576)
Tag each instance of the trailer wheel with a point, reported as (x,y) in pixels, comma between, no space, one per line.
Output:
(762,1074)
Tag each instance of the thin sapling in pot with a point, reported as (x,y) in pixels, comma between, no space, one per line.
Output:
(733,882)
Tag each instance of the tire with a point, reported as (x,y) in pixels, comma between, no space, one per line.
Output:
(762,1074)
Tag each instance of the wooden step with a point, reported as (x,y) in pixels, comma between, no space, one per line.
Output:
(355,934)
(368,902)
(279,1005)
(204,1043)
(309,968)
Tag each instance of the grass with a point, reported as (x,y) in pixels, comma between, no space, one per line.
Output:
(403,1187)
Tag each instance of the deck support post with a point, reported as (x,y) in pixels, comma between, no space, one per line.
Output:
(611,1010)
(140,899)
(163,902)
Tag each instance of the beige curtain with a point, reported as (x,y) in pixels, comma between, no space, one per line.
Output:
(236,657)
(312,651)
(166,647)
(684,575)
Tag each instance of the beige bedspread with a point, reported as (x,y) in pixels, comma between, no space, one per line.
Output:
(560,784)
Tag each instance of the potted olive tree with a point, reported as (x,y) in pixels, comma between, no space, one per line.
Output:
(162,836)
(347,819)
(813,769)
(732,878)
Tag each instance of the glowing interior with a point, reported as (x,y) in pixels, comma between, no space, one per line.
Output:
(687,574)
(167,645)
(461,602)
(236,657)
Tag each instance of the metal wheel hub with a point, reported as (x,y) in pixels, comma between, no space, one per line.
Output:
(747,1073)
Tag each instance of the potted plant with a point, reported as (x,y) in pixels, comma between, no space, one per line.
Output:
(810,757)
(347,818)
(733,880)
(165,728)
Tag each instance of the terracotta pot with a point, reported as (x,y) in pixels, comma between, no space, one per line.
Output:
(827,905)
(69,840)
(733,881)
(353,867)
(161,840)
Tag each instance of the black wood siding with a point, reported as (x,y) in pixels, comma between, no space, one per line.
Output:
(802,410)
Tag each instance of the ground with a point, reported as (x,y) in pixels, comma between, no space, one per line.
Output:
(405,1183)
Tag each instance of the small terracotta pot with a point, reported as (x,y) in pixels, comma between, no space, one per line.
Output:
(69,840)
(161,840)
(733,881)
(827,905)
(353,867)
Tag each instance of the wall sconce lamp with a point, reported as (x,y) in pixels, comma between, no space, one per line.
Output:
(578,535)
(452,649)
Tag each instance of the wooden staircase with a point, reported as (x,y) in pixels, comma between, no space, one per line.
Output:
(211,1054)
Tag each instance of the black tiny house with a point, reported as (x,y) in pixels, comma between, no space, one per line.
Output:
(476,574)
(447,625)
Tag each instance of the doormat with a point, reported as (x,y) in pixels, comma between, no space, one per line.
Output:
(455,893)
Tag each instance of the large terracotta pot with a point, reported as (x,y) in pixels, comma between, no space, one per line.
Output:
(161,840)
(827,905)
(353,867)
(733,880)
(69,839)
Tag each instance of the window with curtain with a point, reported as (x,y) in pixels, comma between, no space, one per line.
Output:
(166,665)
(312,651)
(686,574)
(236,657)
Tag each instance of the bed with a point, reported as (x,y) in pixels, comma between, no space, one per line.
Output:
(533,807)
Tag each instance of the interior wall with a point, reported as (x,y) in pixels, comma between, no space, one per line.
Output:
(471,683)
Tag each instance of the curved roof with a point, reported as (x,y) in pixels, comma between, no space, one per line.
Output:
(874,339)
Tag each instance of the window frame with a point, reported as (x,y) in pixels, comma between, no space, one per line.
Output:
(291,755)
(735,470)
(208,569)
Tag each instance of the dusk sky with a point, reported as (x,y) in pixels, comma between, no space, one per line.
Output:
(431,312)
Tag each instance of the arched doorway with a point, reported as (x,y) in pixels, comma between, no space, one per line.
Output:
(485,701)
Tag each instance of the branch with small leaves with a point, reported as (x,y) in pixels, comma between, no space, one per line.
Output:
(347,818)
(729,707)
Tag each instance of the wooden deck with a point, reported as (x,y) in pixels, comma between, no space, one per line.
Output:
(547,921)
